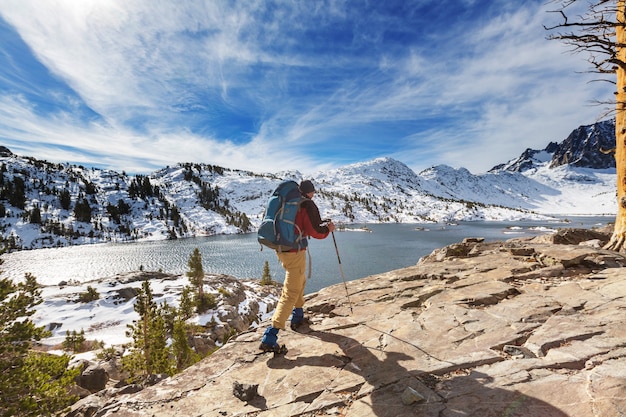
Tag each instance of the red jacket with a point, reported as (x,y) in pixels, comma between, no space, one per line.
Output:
(309,221)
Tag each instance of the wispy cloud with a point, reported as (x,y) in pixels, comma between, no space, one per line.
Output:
(138,85)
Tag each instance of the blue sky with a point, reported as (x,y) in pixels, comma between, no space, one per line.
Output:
(273,85)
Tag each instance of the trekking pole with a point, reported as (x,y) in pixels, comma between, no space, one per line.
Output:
(343,277)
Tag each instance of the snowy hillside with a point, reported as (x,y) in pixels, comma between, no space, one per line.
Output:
(44,204)
(562,190)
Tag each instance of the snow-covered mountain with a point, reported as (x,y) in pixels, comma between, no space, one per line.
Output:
(44,204)
(583,148)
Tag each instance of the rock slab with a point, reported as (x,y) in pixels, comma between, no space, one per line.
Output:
(522,328)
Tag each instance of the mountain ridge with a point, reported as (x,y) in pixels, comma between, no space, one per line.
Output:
(44,204)
(582,148)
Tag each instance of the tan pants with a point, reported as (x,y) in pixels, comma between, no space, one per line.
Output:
(292,294)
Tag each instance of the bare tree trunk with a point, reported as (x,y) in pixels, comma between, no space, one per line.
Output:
(618,240)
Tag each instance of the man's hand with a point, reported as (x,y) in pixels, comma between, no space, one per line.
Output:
(331,226)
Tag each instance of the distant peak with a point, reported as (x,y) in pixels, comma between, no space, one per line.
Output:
(580,149)
(383,161)
(4,151)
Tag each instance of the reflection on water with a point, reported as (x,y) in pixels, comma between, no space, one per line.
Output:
(387,247)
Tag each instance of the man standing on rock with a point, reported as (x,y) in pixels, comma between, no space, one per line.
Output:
(291,300)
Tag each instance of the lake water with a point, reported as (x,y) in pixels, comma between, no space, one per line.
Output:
(386,247)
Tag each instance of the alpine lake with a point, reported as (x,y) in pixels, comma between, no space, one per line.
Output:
(363,250)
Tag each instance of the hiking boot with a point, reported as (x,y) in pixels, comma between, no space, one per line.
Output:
(270,337)
(269,342)
(295,325)
(276,349)
(297,318)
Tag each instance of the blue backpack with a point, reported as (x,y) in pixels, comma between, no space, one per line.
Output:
(278,229)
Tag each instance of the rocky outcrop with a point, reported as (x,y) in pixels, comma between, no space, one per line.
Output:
(586,147)
(583,146)
(93,378)
(4,151)
(519,328)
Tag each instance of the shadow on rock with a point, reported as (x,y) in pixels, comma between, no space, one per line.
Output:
(386,384)
(470,395)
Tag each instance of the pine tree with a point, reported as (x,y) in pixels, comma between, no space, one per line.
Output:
(175,216)
(74,341)
(90,295)
(186,306)
(65,199)
(184,354)
(16,193)
(149,353)
(266,278)
(31,383)
(159,361)
(204,301)
(35,215)
(170,314)
(196,271)
(82,211)
(47,379)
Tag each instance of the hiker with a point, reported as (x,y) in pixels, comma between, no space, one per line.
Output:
(291,300)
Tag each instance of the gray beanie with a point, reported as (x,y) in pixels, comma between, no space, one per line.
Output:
(306,187)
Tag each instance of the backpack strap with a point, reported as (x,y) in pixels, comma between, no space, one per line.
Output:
(310,265)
